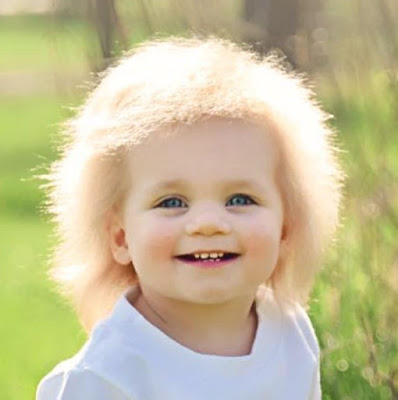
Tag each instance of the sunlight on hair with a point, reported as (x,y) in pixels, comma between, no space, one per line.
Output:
(162,84)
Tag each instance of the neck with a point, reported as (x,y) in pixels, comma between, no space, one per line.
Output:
(225,329)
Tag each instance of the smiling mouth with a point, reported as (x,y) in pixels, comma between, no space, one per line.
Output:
(212,257)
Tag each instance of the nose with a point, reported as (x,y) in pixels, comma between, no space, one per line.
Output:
(208,222)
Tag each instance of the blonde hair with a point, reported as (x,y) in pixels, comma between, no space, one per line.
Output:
(165,83)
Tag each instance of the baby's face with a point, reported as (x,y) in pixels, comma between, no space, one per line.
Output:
(207,191)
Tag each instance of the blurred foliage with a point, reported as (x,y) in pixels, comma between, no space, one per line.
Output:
(312,33)
(349,49)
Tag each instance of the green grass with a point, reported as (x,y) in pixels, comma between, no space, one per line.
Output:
(356,293)
(29,126)
(42,43)
(33,316)
(37,328)
(354,299)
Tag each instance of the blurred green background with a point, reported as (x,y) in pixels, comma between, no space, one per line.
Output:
(350,51)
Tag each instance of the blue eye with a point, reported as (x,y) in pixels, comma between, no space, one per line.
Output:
(171,202)
(240,200)
(237,200)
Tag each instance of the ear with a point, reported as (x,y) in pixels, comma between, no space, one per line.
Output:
(117,239)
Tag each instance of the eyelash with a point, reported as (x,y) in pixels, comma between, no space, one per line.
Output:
(161,204)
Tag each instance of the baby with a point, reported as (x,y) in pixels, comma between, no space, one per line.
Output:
(194,196)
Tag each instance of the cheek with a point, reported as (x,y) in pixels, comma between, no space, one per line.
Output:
(153,239)
(263,236)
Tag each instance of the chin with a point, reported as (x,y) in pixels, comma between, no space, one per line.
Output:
(209,296)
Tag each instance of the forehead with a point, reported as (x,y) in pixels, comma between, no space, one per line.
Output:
(209,150)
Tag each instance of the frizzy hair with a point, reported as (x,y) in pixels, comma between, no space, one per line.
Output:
(171,82)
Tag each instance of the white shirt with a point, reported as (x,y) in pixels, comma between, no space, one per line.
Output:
(128,358)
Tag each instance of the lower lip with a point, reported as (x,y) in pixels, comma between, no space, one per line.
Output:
(208,264)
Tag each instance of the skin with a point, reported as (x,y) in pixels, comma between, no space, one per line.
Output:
(210,311)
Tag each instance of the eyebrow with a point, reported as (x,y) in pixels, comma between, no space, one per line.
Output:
(181,184)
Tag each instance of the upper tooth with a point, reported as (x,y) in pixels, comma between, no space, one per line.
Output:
(207,255)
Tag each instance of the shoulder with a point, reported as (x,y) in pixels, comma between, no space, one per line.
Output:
(309,338)
(300,322)
(96,371)
(296,326)
(77,384)
(296,344)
